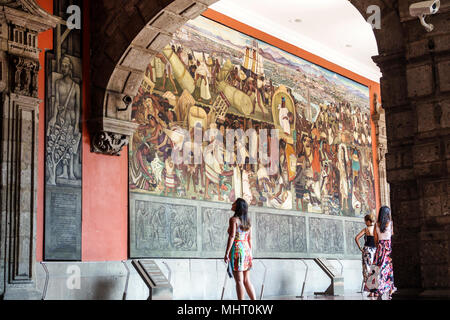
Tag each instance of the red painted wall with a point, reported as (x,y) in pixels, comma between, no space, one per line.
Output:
(45,41)
(105,187)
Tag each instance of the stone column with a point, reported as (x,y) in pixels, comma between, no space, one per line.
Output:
(19,57)
(19,163)
(415,91)
(379,118)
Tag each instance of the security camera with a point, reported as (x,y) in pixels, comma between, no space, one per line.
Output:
(425,8)
(127,100)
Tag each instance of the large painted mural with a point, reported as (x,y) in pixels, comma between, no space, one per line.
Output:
(213,77)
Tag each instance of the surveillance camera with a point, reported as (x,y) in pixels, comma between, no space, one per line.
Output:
(425,8)
(127,100)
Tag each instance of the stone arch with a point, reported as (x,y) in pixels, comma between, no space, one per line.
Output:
(126,36)
(124,32)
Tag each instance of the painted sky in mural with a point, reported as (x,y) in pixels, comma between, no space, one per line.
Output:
(213,77)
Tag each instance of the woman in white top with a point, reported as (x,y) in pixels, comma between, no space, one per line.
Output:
(382,264)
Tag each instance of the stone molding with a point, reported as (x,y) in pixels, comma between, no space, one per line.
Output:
(22,21)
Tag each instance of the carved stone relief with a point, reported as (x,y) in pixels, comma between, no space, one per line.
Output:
(280,233)
(25,73)
(351,230)
(63,146)
(326,236)
(163,227)
(63,126)
(214,228)
(193,229)
(109,143)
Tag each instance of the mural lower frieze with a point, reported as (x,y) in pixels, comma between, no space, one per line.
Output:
(194,229)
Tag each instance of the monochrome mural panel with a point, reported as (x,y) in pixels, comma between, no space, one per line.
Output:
(63,169)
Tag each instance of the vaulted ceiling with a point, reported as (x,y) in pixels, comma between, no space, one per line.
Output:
(331,29)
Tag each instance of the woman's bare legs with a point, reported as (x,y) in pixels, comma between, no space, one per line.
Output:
(248,285)
(239,278)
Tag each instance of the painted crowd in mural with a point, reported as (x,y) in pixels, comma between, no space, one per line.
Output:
(213,77)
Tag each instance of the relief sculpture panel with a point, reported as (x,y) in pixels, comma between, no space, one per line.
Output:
(214,226)
(352,228)
(63,151)
(161,227)
(280,233)
(326,236)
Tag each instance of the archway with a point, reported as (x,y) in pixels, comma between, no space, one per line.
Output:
(118,65)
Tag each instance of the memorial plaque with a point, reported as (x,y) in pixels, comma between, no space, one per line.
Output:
(63,224)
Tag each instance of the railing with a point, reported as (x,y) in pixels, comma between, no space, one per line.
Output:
(124,296)
(261,295)
(304,280)
(47,276)
(169,277)
(264,280)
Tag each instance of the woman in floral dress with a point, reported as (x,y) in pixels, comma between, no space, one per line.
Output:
(382,263)
(239,249)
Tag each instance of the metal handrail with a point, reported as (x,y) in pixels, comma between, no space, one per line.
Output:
(342,267)
(47,276)
(169,277)
(304,280)
(225,281)
(124,296)
(264,280)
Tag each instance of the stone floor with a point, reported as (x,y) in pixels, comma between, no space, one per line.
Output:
(354,296)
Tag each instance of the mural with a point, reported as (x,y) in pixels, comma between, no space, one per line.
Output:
(213,77)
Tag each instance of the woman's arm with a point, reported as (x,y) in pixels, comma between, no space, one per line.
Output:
(231,235)
(375,234)
(250,238)
(392,228)
(358,236)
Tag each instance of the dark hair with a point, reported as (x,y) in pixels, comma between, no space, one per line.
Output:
(242,213)
(369,217)
(384,216)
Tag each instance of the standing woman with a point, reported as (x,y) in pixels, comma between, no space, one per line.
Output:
(384,230)
(239,248)
(369,249)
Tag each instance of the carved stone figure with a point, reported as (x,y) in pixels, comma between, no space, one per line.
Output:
(63,131)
